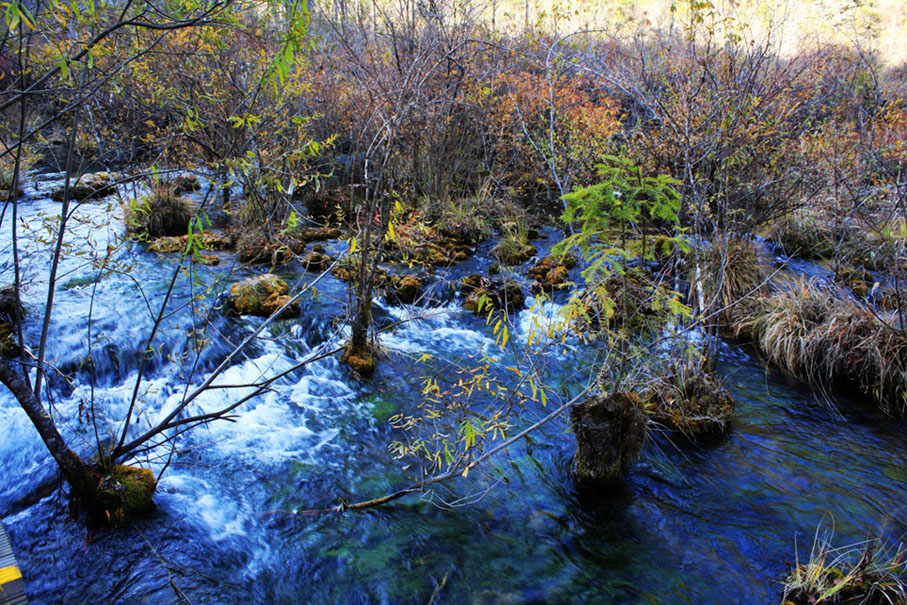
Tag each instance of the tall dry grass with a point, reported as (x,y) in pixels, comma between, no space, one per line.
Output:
(831,340)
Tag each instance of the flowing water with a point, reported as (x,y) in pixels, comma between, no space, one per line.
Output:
(697,524)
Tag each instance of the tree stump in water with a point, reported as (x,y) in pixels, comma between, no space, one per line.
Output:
(609,434)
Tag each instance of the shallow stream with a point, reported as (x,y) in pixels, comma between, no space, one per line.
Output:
(697,524)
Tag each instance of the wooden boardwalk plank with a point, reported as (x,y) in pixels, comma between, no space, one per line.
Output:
(12,587)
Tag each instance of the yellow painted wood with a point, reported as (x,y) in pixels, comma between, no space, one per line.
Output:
(9,574)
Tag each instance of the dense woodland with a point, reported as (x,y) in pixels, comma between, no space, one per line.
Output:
(686,164)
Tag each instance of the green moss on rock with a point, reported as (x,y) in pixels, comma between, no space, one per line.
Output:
(126,493)
(262,296)
(362,362)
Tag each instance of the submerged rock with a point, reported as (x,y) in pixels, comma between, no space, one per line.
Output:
(92,185)
(262,296)
(609,434)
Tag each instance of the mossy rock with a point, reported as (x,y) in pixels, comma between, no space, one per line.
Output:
(508,256)
(317,260)
(257,248)
(10,305)
(859,281)
(4,193)
(362,362)
(314,234)
(206,259)
(212,241)
(494,294)
(348,270)
(186,183)
(551,272)
(88,186)
(471,282)
(697,405)
(167,245)
(125,494)
(609,435)
(8,346)
(261,296)
(405,289)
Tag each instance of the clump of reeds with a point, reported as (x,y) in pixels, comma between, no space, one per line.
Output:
(687,396)
(859,573)
(829,339)
(735,269)
(161,213)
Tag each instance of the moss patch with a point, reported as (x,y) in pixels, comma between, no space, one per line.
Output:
(362,362)
(262,296)
(126,493)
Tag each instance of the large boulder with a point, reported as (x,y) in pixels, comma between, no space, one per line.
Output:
(88,186)
(262,296)
(609,434)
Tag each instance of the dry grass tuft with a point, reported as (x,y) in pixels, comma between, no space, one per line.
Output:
(830,340)
(161,213)
(859,573)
